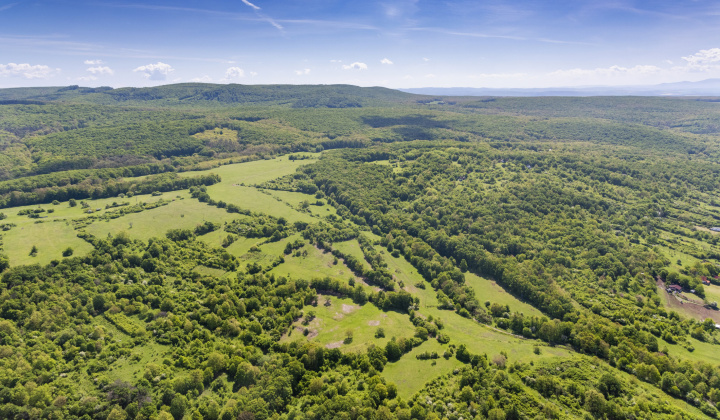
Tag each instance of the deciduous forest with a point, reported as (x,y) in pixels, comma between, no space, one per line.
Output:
(201,251)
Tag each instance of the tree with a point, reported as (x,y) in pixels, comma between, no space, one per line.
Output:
(67,252)
(33,251)
(72,202)
(595,402)
(178,406)
(392,350)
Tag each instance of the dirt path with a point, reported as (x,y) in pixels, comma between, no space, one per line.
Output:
(689,308)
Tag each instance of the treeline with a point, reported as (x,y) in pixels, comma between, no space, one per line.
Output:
(110,188)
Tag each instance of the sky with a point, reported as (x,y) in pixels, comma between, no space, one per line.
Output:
(390,43)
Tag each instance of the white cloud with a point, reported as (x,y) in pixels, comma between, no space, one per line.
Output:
(607,72)
(27,71)
(386,61)
(426,59)
(157,71)
(250,4)
(302,72)
(704,60)
(101,70)
(355,66)
(234,73)
(253,74)
(87,78)
(93,62)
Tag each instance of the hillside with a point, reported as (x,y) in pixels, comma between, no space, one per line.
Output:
(205,94)
(282,252)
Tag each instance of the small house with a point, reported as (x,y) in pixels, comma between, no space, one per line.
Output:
(674,288)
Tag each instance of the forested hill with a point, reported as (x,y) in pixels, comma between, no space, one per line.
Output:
(205,94)
(199,251)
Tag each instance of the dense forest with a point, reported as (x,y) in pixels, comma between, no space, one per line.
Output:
(334,252)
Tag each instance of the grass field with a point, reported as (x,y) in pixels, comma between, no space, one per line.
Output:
(256,172)
(712,293)
(50,238)
(257,201)
(404,372)
(242,245)
(315,265)
(332,322)
(180,214)
(352,247)
(488,290)
(54,235)
(478,338)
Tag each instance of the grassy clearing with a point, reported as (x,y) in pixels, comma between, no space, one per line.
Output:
(242,245)
(315,265)
(214,238)
(50,238)
(478,338)
(333,321)
(352,247)
(237,179)
(54,235)
(712,293)
(267,251)
(180,214)
(295,199)
(209,271)
(258,201)
(218,134)
(404,372)
(703,352)
(256,172)
(488,290)
(63,210)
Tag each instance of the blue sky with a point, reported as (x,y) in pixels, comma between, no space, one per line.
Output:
(392,43)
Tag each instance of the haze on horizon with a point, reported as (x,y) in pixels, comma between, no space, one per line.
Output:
(392,43)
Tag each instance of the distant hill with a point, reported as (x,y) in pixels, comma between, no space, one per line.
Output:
(297,96)
(709,87)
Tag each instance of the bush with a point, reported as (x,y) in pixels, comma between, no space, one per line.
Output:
(67,252)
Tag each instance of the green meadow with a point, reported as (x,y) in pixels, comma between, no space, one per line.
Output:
(336,317)
(185,213)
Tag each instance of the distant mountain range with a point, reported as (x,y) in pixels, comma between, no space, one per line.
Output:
(709,87)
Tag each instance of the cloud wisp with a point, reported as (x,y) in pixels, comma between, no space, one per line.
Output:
(263,16)
(27,71)
(355,66)
(8,6)
(250,4)
(157,71)
(101,70)
(386,61)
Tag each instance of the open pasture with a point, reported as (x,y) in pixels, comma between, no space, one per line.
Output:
(316,264)
(335,317)
(183,213)
(50,239)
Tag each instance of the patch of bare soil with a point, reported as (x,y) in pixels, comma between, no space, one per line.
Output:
(373,323)
(689,307)
(348,308)
(334,345)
